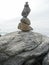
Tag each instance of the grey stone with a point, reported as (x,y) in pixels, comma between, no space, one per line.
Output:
(14,61)
(26,10)
(26,21)
(3,57)
(46,60)
(24,48)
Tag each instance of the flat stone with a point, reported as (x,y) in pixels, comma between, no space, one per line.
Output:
(24,27)
(25,20)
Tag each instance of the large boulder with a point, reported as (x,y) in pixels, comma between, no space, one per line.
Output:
(24,48)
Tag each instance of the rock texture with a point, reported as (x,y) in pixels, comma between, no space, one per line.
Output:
(24,48)
(24,27)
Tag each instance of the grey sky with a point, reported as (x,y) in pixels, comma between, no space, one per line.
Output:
(10,15)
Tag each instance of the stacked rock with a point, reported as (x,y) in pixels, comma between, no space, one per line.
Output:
(25,22)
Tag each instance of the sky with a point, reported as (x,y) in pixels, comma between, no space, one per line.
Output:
(10,15)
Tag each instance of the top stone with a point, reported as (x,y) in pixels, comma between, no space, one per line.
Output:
(26,10)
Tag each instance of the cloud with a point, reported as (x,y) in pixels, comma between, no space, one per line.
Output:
(10,14)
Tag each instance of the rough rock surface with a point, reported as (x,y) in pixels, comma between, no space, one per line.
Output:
(24,48)
(46,60)
(24,27)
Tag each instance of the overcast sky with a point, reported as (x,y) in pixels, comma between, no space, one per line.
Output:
(10,15)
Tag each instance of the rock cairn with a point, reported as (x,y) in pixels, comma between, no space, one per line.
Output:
(25,22)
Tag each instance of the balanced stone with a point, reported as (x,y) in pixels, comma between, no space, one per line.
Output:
(25,20)
(26,10)
(24,27)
